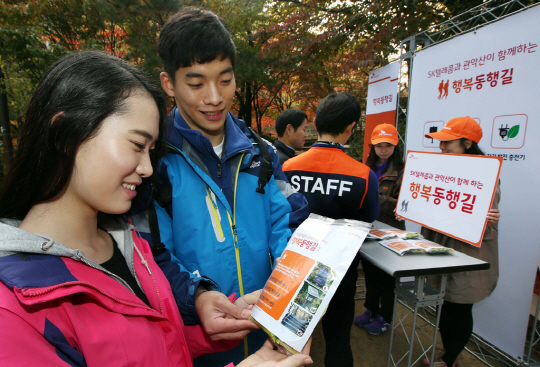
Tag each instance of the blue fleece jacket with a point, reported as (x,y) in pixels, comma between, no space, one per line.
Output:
(219,226)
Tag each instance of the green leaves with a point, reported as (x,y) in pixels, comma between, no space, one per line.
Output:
(513,132)
(291,53)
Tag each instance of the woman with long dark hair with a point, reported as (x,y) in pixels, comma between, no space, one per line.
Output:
(78,286)
(386,161)
(461,135)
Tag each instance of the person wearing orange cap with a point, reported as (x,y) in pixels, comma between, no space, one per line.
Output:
(385,160)
(461,135)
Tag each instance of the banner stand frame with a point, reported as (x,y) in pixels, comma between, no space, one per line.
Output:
(469,21)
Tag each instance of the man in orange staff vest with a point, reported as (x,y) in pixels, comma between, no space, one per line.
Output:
(336,186)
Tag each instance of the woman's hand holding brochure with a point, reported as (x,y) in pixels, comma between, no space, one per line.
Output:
(268,356)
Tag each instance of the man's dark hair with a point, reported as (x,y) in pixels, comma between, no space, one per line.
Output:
(194,36)
(335,112)
(291,116)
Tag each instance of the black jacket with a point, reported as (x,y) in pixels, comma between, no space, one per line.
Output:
(283,151)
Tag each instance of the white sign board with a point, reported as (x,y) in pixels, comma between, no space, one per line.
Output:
(492,76)
(450,193)
(382,89)
(381,100)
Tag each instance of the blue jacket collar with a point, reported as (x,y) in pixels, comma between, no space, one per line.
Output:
(321,144)
(235,135)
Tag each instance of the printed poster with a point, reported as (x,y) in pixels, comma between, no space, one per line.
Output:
(381,100)
(491,74)
(450,193)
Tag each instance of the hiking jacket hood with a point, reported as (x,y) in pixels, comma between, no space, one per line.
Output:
(59,308)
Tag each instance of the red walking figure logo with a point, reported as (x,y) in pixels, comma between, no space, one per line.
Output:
(443,89)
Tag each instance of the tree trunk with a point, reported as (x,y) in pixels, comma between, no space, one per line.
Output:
(241,102)
(248,102)
(5,124)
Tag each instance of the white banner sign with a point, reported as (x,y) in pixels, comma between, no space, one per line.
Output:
(382,89)
(492,75)
(381,100)
(450,193)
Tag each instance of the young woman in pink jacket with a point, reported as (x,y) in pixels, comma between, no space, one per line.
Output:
(78,286)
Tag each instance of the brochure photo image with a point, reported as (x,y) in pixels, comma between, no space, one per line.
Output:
(321,276)
(297,319)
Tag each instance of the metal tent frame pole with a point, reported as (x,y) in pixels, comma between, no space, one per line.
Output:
(469,21)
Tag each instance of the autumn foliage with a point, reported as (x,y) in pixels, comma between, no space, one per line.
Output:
(291,53)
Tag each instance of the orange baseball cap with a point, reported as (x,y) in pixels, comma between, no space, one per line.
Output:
(384,133)
(459,127)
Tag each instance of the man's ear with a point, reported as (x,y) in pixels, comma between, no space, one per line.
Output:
(289,129)
(167,84)
(350,128)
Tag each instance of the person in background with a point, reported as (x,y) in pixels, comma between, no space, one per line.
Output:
(461,135)
(78,286)
(291,128)
(386,161)
(336,186)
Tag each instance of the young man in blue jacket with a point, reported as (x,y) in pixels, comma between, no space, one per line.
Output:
(336,186)
(220,222)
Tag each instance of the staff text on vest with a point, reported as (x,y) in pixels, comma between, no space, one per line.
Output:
(319,185)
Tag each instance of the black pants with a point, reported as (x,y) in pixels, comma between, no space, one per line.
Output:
(338,319)
(456,326)
(379,288)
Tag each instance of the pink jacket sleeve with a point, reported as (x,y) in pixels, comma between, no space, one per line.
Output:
(199,342)
(16,335)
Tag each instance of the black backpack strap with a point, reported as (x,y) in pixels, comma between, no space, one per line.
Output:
(158,246)
(266,162)
(163,195)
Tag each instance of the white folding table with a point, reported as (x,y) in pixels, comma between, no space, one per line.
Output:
(416,292)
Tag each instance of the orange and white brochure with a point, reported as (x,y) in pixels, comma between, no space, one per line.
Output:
(301,285)
(402,247)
